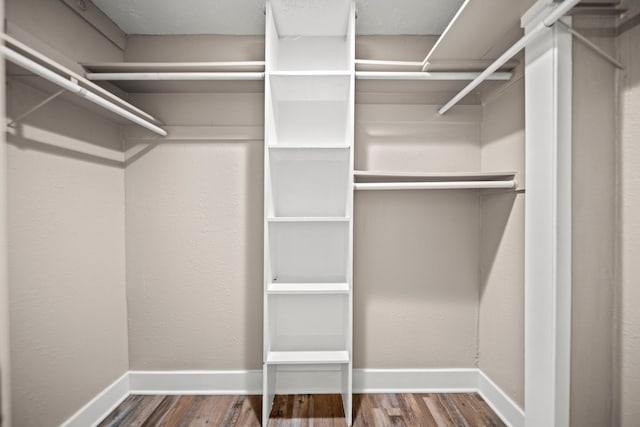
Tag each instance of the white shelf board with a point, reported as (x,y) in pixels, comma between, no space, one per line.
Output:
(308,219)
(433,76)
(307,357)
(308,288)
(190,86)
(369,180)
(307,147)
(450,185)
(478,33)
(173,67)
(388,176)
(310,73)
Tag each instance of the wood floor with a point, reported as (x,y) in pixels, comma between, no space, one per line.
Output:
(379,410)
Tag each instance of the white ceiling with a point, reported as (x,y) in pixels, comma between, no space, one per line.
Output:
(247,16)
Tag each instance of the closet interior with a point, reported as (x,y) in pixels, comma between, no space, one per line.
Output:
(281,212)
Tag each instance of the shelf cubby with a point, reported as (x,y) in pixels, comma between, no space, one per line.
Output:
(311,53)
(309,182)
(302,323)
(308,252)
(309,110)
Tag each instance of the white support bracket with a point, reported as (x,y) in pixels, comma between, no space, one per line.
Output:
(35,108)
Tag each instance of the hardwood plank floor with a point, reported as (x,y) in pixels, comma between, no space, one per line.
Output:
(306,410)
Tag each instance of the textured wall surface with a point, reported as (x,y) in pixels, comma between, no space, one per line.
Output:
(501,311)
(194,238)
(53,28)
(593,199)
(66,233)
(629,333)
(5,390)
(66,258)
(416,252)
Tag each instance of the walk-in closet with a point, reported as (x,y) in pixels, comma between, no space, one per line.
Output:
(320,212)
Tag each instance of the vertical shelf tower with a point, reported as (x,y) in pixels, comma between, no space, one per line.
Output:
(309,133)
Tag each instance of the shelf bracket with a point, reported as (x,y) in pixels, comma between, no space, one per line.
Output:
(35,108)
(592,46)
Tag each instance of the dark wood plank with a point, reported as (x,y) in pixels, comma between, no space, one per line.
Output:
(161,411)
(438,412)
(128,408)
(485,412)
(251,412)
(370,410)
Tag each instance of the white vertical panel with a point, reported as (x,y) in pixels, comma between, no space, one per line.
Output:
(548,229)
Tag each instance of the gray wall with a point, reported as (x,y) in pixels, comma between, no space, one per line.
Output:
(194,237)
(5,389)
(501,309)
(66,234)
(416,252)
(594,219)
(628,362)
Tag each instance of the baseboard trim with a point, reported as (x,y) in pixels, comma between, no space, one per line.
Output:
(415,380)
(250,382)
(100,406)
(196,382)
(499,401)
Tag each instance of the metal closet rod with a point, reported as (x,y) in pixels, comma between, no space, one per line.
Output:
(537,31)
(75,88)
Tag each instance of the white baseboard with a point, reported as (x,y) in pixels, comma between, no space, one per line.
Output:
(100,406)
(498,400)
(195,382)
(415,380)
(289,379)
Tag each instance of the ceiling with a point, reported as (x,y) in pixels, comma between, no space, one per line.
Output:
(245,17)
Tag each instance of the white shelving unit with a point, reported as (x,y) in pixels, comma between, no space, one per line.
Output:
(309,128)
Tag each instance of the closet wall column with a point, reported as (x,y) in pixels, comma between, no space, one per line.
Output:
(548,227)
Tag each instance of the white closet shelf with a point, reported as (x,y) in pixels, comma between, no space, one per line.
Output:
(307,357)
(378,65)
(433,76)
(310,146)
(49,76)
(309,219)
(311,73)
(173,67)
(490,36)
(308,288)
(369,180)
(181,77)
